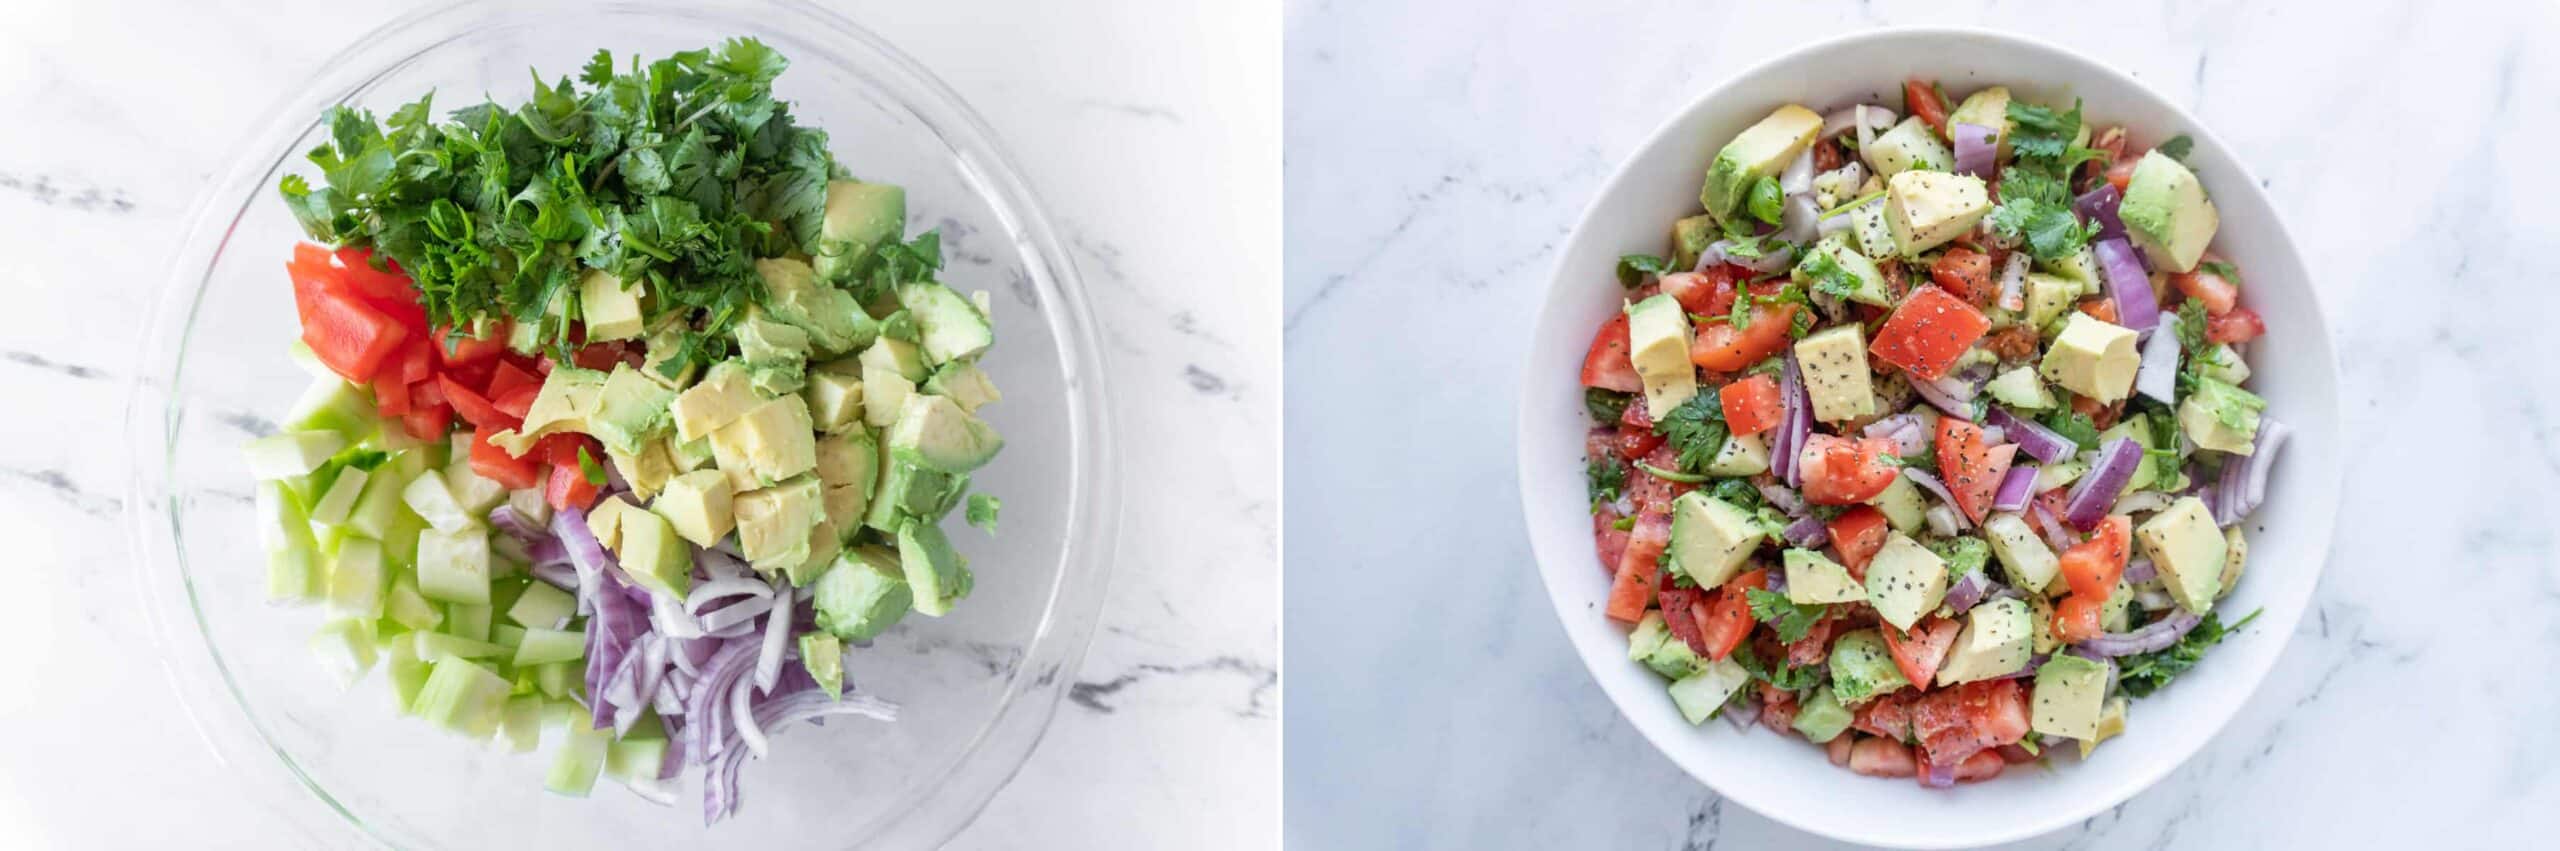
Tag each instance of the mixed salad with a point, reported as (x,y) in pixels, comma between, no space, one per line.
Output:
(1928,442)
(634,415)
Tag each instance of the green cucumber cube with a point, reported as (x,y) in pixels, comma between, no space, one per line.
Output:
(406,607)
(432,499)
(334,406)
(356,580)
(346,651)
(407,673)
(284,455)
(437,647)
(555,679)
(453,567)
(543,646)
(543,605)
(374,513)
(635,758)
(467,621)
(520,724)
(462,697)
(340,498)
(581,756)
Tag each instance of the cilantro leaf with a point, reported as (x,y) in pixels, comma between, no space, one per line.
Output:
(589,469)
(2177,147)
(2147,672)
(1605,405)
(2072,425)
(1695,429)
(1791,620)
(1786,677)
(2038,132)
(1828,277)
(1632,268)
(2223,270)
(1606,479)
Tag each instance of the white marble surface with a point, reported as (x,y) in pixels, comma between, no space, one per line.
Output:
(1150,129)
(1439,151)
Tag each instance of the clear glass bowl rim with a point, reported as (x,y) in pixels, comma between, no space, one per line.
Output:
(940,805)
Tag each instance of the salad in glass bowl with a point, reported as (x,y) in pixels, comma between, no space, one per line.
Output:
(1929,440)
(634,415)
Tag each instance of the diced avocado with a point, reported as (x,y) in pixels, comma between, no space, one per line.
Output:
(1903,506)
(433,501)
(2060,473)
(895,355)
(1905,581)
(1821,718)
(544,644)
(2069,691)
(1699,695)
(1690,238)
(823,656)
(774,522)
(1861,668)
(284,455)
(630,411)
(848,506)
(1872,288)
(933,432)
(1761,151)
(463,620)
(2048,297)
(1834,361)
(835,401)
(890,370)
(909,490)
(2235,559)
(580,758)
(1710,538)
(2222,363)
(647,470)
(965,384)
(689,455)
(1907,147)
(1875,235)
(2189,551)
(1675,659)
(859,217)
(773,442)
(720,398)
(1994,643)
(1648,636)
(2110,724)
(567,398)
(462,697)
(345,647)
(849,460)
(1658,345)
(2019,388)
(2221,417)
(834,321)
(863,594)
(2094,358)
(335,406)
(544,606)
(2040,616)
(356,579)
(777,377)
(2023,555)
(1741,455)
(764,340)
(936,574)
(1812,578)
(653,556)
(520,723)
(453,567)
(1925,209)
(605,520)
(826,542)
(664,342)
(610,310)
(1986,108)
(697,505)
(953,328)
(2079,267)
(2166,213)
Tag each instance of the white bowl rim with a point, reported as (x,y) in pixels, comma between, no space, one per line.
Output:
(1682,754)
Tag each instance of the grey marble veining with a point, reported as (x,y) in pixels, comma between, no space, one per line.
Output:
(1449,147)
(121,110)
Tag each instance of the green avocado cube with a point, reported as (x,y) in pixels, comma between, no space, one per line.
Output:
(964,384)
(859,217)
(863,594)
(823,656)
(1821,718)
(610,310)
(1861,667)
(699,506)
(653,556)
(720,398)
(835,400)
(774,522)
(774,441)
(934,432)
(938,574)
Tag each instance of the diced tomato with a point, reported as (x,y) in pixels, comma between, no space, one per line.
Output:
(1920,653)
(1635,432)
(452,350)
(2100,414)
(1982,765)
(2120,173)
(2075,618)
(2093,566)
(1654,493)
(1777,710)
(1611,540)
(1606,365)
(494,464)
(561,450)
(1881,758)
(1726,619)
(1956,723)
(1814,646)
(426,394)
(1858,533)
(352,338)
(1751,405)
(1710,292)
(2015,755)
(2217,293)
(428,422)
(1928,332)
(389,291)
(1887,715)
(1970,470)
(517,402)
(569,488)
(507,376)
(1720,347)
(2102,309)
(1921,96)
(475,408)
(1639,567)
(2111,143)
(1965,273)
(1845,471)
(602,356)
(2239,325)
(390,396)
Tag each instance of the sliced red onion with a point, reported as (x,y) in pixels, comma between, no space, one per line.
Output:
(2233,487)
(1742,712)
(2096,491)
(505,518)
(1798,176)
(2152,638)
(743,716)
(1771,259)
(2017,487)
(719,589)
(1943,521)
(719,562)
(2136,306)
(1793,428)
(1801,219)
(2055,535)
(1776,582)
(2158,375)
(720,777)
(777,636)
(2099,205)
(1929,482)
(734,614)
(1870,118)
(1863,117)
(1887,426)
(710,697)
(2140,570)
(1785,498)
(1951,394)
(1967,592)
(2013,281)
(668,618)
(558,573)
(1807,532)
(2271,438)
(1977,149)
(2032,437)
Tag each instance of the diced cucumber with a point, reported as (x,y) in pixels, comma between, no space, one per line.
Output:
(543,605)
(438,646)
(453,567)
(293,556)
(467,621)
(543,646)
(356,580)
(406,607)
(379,507)
(581,756)
(345,648)
(429,496)
(520,724)
(284,455)
(341,497)
(475,494)
(462,697)
(2060,473)
(333,405)
(555,679)
(407,673)
(400,542)
(639,754)
(295,576)
(507,635)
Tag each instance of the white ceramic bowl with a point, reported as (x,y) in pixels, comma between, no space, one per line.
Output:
(1783,777)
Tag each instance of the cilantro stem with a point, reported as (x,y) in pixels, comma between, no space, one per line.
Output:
(1669,476)
(1853,204)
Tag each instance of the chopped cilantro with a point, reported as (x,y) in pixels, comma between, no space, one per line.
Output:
(1786,677)
(589,469)
(1789,619)
(2177,147)
(1606,405)
(1633,268)
(1607,479)
(1695,429)
(2146,673)
(2072,425)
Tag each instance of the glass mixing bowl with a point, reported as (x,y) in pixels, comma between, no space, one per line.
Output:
(975,688)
